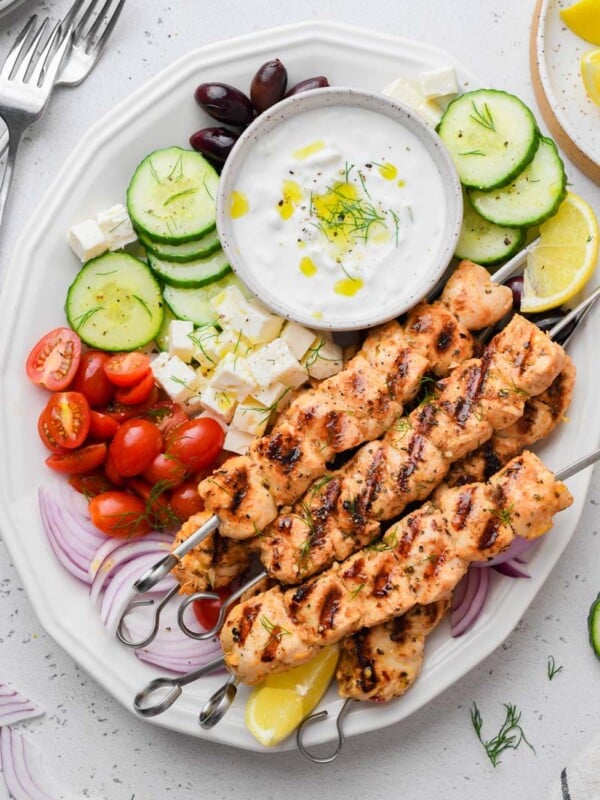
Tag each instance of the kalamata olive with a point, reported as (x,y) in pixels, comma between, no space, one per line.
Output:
(318,82)
(546,320)
(215,143)
(268,85)
(225,103)
(516,286)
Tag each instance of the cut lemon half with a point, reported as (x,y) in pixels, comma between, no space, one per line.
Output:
(590,72)
(278,705)
(583,18)
(565,258)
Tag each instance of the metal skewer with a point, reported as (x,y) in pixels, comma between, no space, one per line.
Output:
(174,687)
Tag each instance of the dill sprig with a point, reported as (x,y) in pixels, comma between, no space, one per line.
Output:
(177,195)
(275,631)
(509,737)
(388,542)
(552,668)
(503,514)
(84,318)
(473,153)
(483,117)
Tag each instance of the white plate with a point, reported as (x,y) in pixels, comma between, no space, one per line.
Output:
(161,113)
(558,52)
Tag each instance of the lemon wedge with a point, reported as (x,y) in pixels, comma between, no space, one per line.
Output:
(583,18)
(590,72)
(565,258)
(278,705)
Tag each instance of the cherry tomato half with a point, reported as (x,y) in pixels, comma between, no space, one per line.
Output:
(132,395)
(196,443)
(78,461)
(67,416)
(121,412)
(90,484)
(185,500)
(53,361)
(167,416)
(111,472)
(102,426)
(135,446)
(165,470)
(207,611)
(127,369)
(158,511)
(47,435)
(90,379)
(119,514)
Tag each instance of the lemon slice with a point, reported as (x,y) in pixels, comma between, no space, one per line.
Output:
(565,258)
(278,705)
(583,18)
(590,72)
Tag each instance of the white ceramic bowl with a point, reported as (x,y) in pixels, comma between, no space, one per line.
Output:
(387,305)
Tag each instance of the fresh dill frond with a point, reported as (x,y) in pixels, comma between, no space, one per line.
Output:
(509,737)
(483,116)
(552,668)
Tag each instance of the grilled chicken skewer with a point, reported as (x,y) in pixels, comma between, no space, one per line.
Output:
(418,561)
(358,404)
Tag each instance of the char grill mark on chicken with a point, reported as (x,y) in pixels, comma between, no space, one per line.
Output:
(419,560)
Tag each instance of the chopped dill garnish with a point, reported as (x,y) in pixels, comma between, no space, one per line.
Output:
(473,153)
(143,303)
(275,631)
(483,118)
(83,319)
(509,737)
(177,195)
(552,668)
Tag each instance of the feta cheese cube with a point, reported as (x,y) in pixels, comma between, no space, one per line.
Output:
(87,240)
(204,347)
(192,405)
(232,341)
(237,441)
(180,343)
(251,416)
(116,226)
(438,82)
(256,322)
(175,376)
(298,339)
(275,362)
(325,358)
(261,325)
(269,395)
(405,91)
(233,375)
(218,402)
(429,111)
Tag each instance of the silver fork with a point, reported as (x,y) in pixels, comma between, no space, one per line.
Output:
(26,80)
(89,37)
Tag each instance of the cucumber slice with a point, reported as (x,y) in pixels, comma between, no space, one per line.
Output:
(491,136)
(171,196)
(532,197)
(485,243)
(594,626)
(115,303)
(194,304)
(194,273)
(182,253)
(162,337)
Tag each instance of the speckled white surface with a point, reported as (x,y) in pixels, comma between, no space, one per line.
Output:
(99,750)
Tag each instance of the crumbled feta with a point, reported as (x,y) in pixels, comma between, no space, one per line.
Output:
(116,226)
(275,362)
(269,395)
(438,82)
(218,402)
(429,111)
(325,358)
(175,376)
(233,375)
(180,343)
(237,441)
(232,341)
(256,322)
(87,240)
(251,417)
(298,339)
(204,347)
(406,91)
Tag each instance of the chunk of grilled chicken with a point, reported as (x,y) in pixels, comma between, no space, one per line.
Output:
(358,404)
(343,510)
(381,663)
(419,561)
(472,298)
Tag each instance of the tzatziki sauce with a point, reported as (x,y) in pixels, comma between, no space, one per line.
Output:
(336,210)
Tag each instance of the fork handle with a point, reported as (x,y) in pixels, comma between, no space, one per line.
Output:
(15,133)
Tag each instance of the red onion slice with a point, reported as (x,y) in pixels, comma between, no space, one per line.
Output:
(24,769)
(512,569)
(111,556)
(465,614)
(15,707)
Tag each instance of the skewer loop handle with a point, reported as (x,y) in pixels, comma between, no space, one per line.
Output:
(320,715)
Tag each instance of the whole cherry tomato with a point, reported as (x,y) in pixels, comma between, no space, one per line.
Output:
(67,419)
(158,511)
(185,500)
(90,378)
(121,412)
(165,470)
(102,426)
(196,443)
(127,369)
(166,415)
(53,361)
(119,514)
(135,446)
(111,472)
(79,461)
(90,484)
